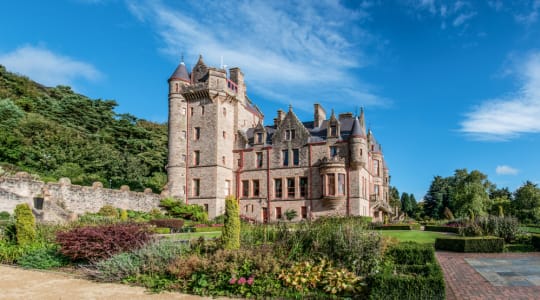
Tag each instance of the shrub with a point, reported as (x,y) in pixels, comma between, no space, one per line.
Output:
(25,224)
(161,230)
(108,211)
(410,253)
(231,229)
(4,215)
(408,282)
(470,244)
(398,227)
(442,228)
(535,241)
(123,215)
(99,242)
(504,227)
(95,219)
(42,258)
(174,225)
(178,209)
(152,258)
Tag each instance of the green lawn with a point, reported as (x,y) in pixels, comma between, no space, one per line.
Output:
(194,235)
(418,236)
(531,229)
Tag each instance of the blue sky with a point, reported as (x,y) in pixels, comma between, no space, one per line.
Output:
(445,84)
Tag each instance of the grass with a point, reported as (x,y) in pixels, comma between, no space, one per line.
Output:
(530,229)
(194,235)
(424,237)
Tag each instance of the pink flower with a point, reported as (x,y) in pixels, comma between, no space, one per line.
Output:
(232,281)
(242,280)
(250,280)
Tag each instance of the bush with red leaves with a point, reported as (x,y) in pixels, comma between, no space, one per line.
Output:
(94,243)
(174,224)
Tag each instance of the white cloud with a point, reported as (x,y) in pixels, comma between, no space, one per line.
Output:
(506,170)
(463,18)
(278,45)
(508,117)
(46,67)
(460,11)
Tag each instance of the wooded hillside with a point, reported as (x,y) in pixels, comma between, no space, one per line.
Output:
(55,132)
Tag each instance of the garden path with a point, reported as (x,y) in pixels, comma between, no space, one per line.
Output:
(491,275)
(16,283)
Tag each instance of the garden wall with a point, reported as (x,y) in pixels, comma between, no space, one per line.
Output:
(62,200)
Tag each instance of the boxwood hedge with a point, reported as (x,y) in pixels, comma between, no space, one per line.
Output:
(470,244)
(441,228)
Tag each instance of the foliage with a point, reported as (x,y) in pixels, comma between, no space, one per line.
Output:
(306,276)
(89,218)
(4,215)
(55,132)
(411,253)
(153,258)
(441,228)
(535,241)
(526,202)
(290,214)
(408,282)
(174,225)
(408,204)
(124,215)
(448,214)
(42,258)
(93,243)
(109,211)
(504,227)
(470,244)
(398,227)
(25,224)
(343,240)
(231,230)
(178,209)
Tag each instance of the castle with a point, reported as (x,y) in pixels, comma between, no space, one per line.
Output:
(219,146)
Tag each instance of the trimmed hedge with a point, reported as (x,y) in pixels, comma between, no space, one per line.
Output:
(441,228)
(535,241)
(399,227)
(411,282)
(410,253)
(470,244)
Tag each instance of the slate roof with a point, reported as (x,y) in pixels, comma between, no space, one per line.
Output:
(181,73)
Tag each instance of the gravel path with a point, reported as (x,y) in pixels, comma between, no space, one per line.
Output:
(18,283)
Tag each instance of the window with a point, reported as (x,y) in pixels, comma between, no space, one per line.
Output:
(333,130)
(255,188)
(285,157)
(304,212)
(331,184)
(245,188)
(289,134)
(290,188)
(296,157)
(260,137)
(191,111)
(224,134)
(196,187)
(223,159)
(196,133)
(341,184)
(227,188)
(183,134)
(303,187)
(183,111)
(278,188)
(202,110)
(333,151)
(196,157)
(278,212)
(259,162)
(376,190)
(183,190)
(176,87)
(247,206)
(224,112)
(376,167)
(183,157)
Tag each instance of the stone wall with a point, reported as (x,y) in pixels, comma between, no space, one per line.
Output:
(63,199)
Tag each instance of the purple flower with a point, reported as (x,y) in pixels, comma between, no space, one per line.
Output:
(232,281)
(242,280)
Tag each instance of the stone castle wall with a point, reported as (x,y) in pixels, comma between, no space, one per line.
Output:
(64,199)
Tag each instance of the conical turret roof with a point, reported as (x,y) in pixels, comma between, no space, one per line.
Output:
(356,130)
(181,73)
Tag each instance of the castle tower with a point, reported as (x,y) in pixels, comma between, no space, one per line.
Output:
(176,167)
(355,141)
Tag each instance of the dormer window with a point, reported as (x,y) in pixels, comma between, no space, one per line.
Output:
(333,130)
(289,134)
(259,138)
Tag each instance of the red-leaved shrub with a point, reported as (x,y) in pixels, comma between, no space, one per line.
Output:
(93,243)
(174,224)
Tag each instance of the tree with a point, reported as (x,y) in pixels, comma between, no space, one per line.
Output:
(526,202)
(437,197)
(406,206)
(231,227)
(25,224)
(469,193)
(394,197)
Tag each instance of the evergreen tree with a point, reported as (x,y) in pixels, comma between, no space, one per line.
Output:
(526,202)
(231,228)
(25,224)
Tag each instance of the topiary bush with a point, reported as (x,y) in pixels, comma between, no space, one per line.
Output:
(25,224)
(93,243)
(470,244)
(411,253)
(230,236)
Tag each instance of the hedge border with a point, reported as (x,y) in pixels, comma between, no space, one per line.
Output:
(535,241)
(399,227)
(484,244)
(438,228)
